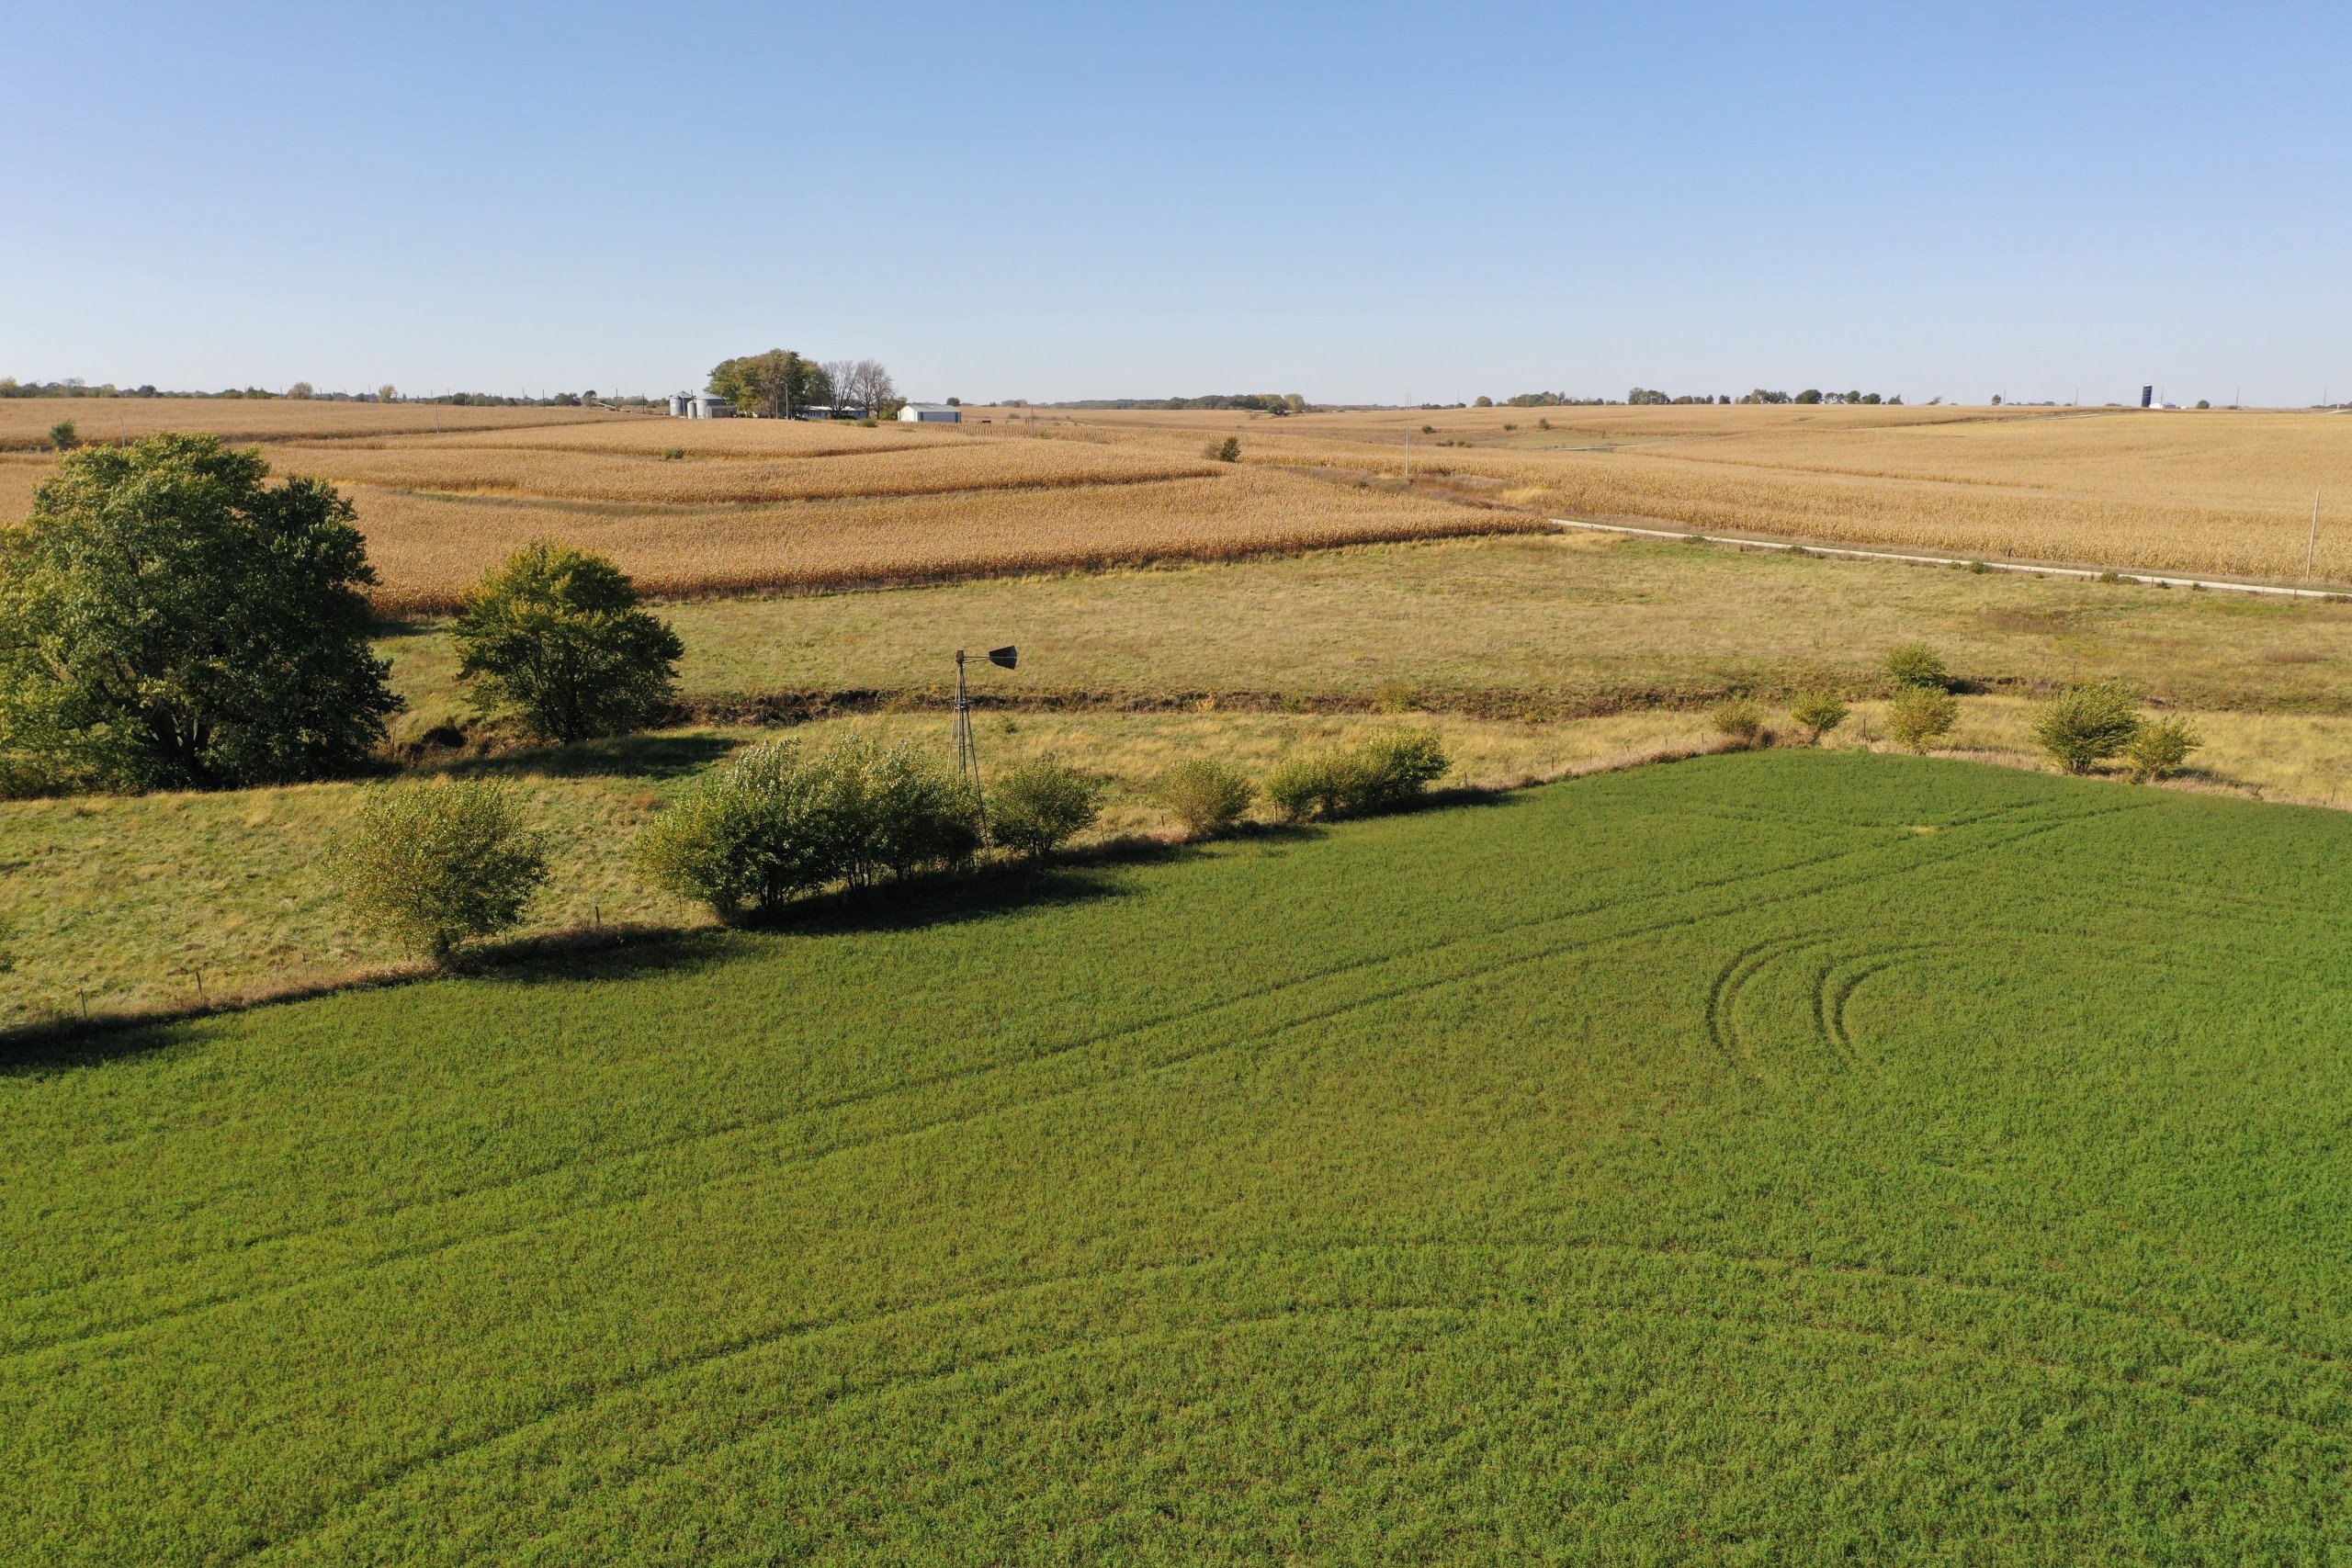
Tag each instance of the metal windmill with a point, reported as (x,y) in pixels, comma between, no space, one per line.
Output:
(968,759)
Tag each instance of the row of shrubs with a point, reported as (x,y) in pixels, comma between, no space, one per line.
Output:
(432,866)
(2077,729)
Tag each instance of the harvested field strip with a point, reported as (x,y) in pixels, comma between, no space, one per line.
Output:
(19,476)
(823,475)
(2218,491)
(1967,520)
(2032,568)
(426,549)
(732,437)
(25,421)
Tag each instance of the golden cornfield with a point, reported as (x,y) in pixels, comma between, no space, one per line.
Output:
(2215,491)
(881,469)
(713,506)
(698,507)
(428,547)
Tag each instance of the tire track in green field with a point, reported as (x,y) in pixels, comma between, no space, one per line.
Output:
(1722,999)
(1249,1261)
(1161,1063)
(847,1101)
(1831,995)
(1939,852)
(910,1385)
(230,1299)
(2248,1347)
(2061,1211)
(1830,1022)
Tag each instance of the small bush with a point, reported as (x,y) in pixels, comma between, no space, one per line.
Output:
(1226,451)
(434,865)
(1382,775)
(1302,789)
(773,823)
(1916,664)
(1921,716)
(1390,770)
(1737,719)
(1818,711)
(1042,804)
(755,830)
(63,436)
(2159,747)
(1206,798)
(899,809)
(673,454)
(2087,726)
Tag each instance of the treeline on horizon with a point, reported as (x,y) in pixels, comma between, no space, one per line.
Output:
(74,386)
(1291,402)
(1260,403)
(1648,395)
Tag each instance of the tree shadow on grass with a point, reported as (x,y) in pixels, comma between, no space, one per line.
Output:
(604,953)
(924,902)
(657,756)
(36,1050)
(1068,880)
(918,904)
(399,628)
(598,953)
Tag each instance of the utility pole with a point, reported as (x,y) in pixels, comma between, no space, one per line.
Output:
(1408,437)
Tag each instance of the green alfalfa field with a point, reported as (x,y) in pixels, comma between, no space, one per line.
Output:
(1784,1157)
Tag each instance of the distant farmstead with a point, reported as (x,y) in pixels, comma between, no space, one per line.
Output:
(699,405)
(931,414)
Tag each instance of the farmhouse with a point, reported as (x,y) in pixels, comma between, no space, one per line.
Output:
(931,414)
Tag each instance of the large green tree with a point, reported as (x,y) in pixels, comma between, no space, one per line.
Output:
(555,638)
(776,383)
(168,620)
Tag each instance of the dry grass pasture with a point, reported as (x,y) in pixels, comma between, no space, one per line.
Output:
(128,904)
(123,903)
(1554,627)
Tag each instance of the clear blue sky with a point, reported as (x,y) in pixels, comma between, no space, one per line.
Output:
(1008,199)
